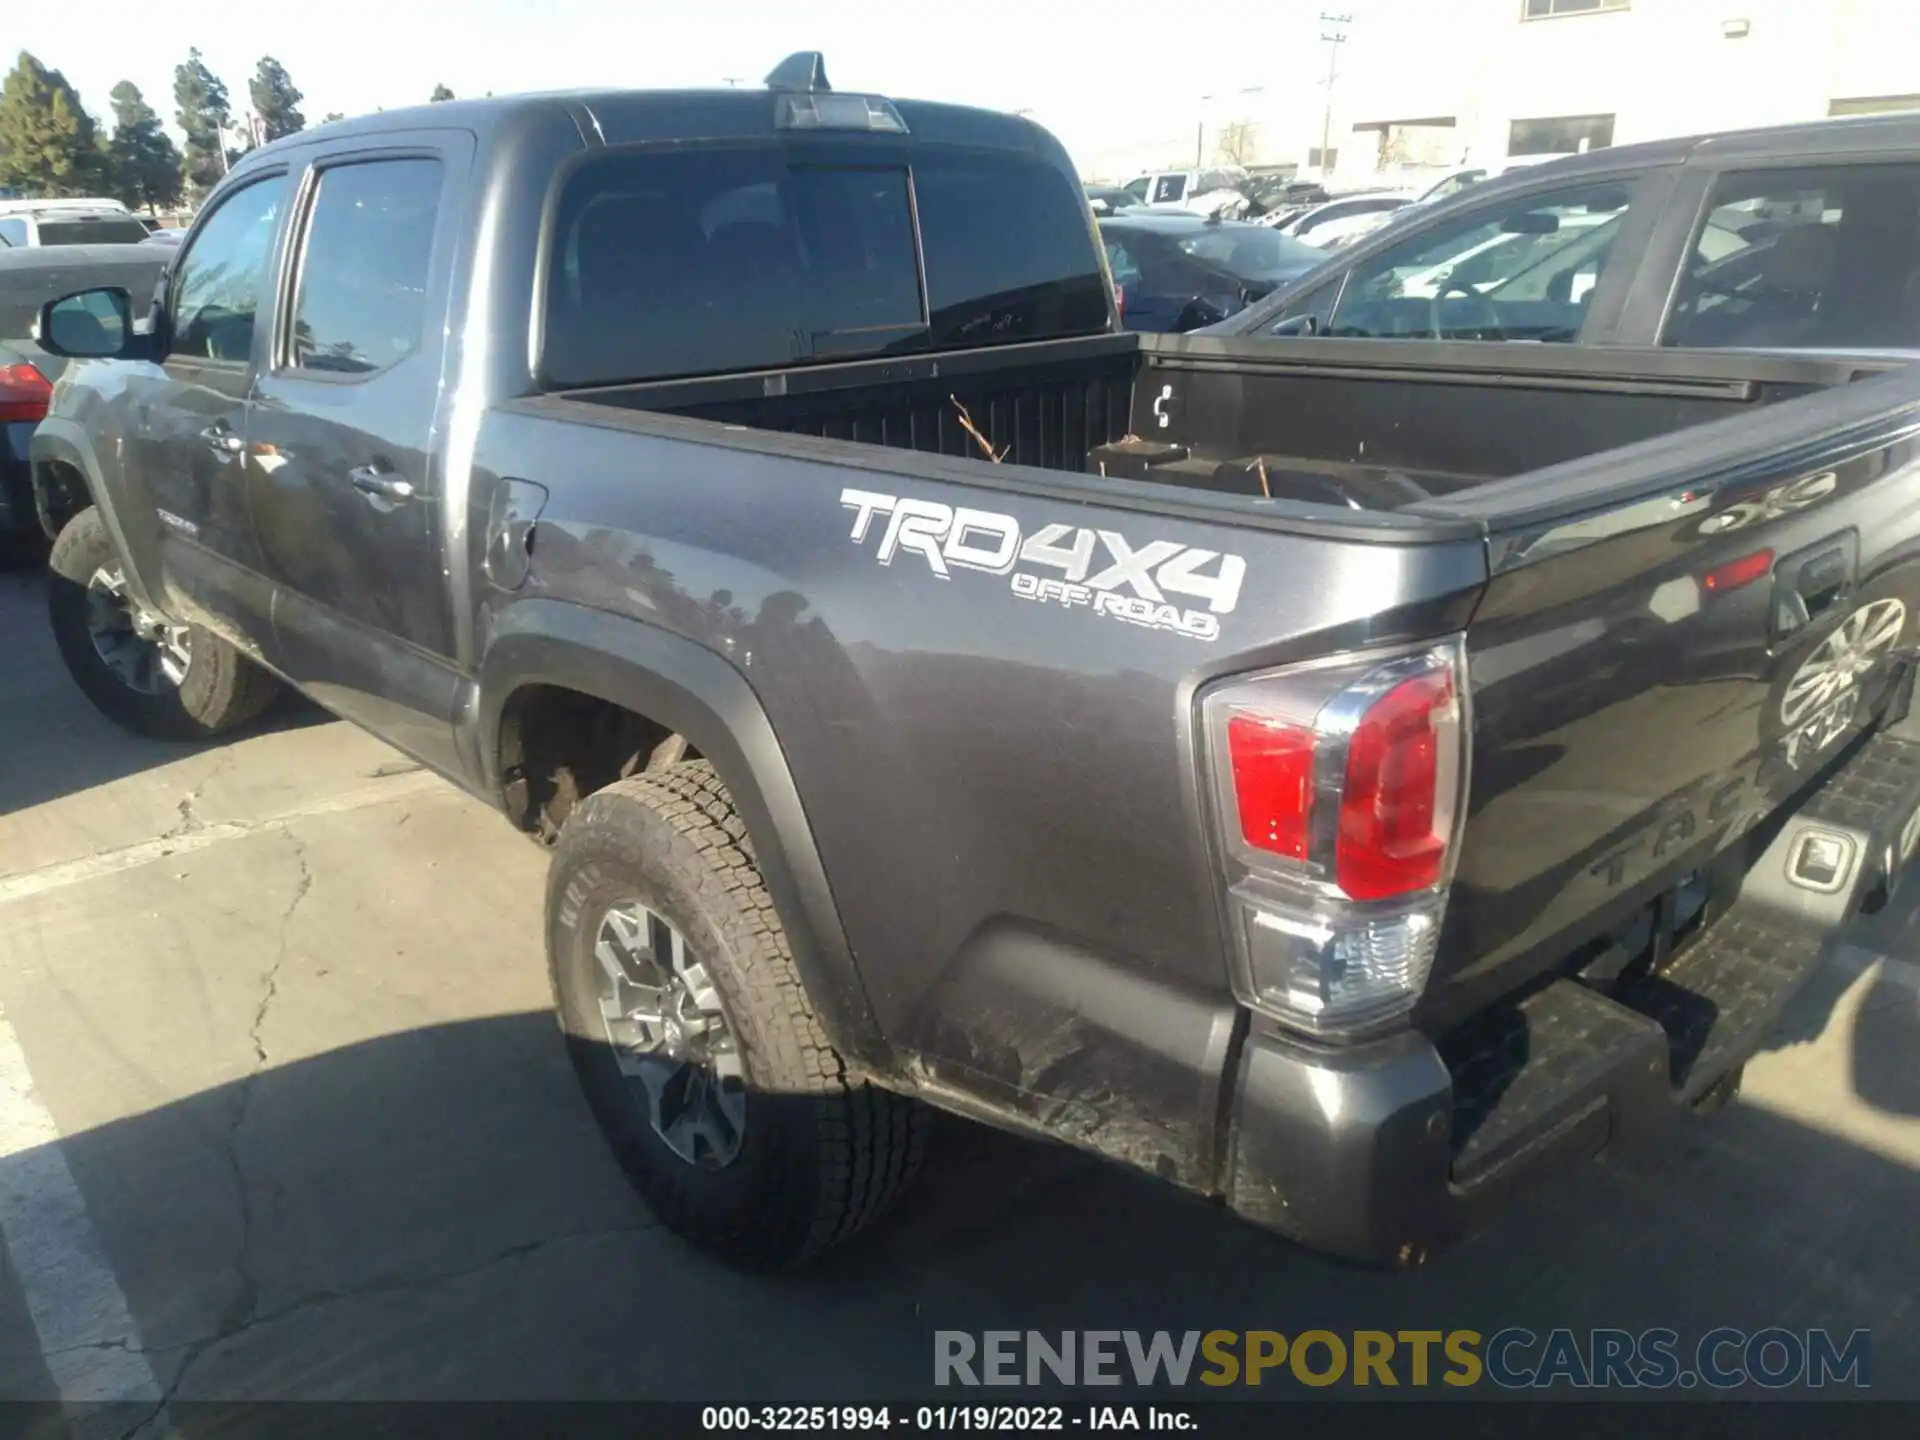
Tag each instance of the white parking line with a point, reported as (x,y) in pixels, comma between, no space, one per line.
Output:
(88,1340)
(127,857)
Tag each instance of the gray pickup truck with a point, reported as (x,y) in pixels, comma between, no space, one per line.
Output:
(1344,781)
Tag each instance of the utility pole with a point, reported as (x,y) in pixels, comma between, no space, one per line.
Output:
(1335,35)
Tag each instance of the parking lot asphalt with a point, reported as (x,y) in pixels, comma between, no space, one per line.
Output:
(283,1115)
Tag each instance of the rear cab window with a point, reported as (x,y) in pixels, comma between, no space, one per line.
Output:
(1822,257)
(667,263)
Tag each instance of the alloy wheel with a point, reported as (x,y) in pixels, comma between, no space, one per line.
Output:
(143,653)
(1841,659)
(670,1036)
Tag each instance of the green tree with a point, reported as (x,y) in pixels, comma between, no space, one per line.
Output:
(275,100)
(440,92)
(144,161)
(203,112)
(48,145)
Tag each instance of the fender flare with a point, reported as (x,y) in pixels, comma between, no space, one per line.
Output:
(698,694)
(137,543)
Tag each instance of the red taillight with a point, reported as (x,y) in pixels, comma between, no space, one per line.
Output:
(1393,822)
(24,393)
(1120,300)
(1339,786)
(1272,782)
(1735,573)
(1389,733)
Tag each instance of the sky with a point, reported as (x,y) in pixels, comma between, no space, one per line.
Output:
(1115,72)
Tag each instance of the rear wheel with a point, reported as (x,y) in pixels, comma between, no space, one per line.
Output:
(163,681)
(691,1032)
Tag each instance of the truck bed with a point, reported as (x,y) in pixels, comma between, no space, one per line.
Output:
(1352,424)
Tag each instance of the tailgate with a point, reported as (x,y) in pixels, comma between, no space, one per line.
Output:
(1658,671)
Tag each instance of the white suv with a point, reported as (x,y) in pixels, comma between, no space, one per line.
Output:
(25,223)
(1205,192)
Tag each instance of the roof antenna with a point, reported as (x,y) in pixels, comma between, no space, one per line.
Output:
(802,70)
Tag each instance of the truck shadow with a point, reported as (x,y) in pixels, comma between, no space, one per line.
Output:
(431,1215)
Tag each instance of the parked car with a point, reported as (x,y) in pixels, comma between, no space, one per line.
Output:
(1255,761)
(1217,191)
(1178,272)
(1271,194)
(1110,200)
(1453,182)
(1802,237)
(28,279)
(25,224)
(167,235)
(1338,222)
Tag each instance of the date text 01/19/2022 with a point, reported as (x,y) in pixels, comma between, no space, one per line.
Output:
(978,1419)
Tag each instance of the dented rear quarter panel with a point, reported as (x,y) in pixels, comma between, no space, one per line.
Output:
(1003,790)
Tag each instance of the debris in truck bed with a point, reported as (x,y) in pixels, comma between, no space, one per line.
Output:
(966,423)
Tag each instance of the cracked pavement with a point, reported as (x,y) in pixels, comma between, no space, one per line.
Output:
(285,1000)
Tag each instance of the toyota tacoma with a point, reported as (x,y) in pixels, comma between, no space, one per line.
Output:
(1345,781)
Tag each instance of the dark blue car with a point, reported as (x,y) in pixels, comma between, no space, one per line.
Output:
(1178,272)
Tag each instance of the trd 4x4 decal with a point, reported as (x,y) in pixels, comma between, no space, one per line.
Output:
(1062,565)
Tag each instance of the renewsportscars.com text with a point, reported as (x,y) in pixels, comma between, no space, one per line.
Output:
(1513,1358)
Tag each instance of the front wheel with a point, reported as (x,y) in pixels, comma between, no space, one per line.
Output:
(693,1037)
(163,681)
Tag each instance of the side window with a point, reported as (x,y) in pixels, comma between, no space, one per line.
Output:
(218,283)
(360,300)
(1126,271)
(1524,268)
(1818,258)
(13,232)
(1168,189)
(1138,188)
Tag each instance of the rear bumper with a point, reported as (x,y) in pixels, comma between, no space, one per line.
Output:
(1388,1151)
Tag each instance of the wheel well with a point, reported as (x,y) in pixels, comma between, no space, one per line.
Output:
(59,494)
(558,746)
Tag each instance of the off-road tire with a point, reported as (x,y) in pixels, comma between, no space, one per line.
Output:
(824,1154)
(222,688)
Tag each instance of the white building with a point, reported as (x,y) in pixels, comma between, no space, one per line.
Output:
(1477,81)
(1431,83)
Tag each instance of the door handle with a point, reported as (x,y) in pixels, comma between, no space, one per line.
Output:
(381,484)
(221,439)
